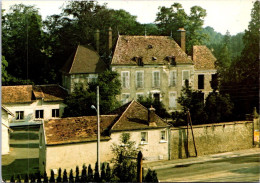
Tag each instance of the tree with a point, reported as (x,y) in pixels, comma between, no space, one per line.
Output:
(218,107)
(169,20)
(23,42)
(26,178)
(242,79)
(103,172)
(84,174)
(108,173)
(38,175)
(59,175)
(96,174)
(45,177)
(71,177)
(18,179)
(193,101)
(65,177)
(151,176)
(32,177)
(158,105)
(77,179)
(90,173)
(80,101)
(124,168)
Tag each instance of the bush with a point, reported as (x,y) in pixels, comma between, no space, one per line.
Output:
(52,179)
(151,176)
(71,178)
(65,177)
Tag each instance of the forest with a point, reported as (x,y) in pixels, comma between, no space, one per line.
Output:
(34,50)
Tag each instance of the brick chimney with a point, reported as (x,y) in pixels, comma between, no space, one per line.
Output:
(183,36)
(151,117)
(97,39)
(109,40)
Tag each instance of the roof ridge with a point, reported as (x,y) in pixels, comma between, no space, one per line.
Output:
(122,114)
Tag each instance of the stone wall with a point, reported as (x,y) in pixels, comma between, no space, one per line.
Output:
(211,138)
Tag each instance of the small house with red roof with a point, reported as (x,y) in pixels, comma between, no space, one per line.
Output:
(75,138)
(31,104)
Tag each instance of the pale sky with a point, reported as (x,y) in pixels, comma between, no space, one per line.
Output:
(222,15)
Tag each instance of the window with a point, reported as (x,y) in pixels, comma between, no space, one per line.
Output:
(144,138)
(39,114)
(156,79)
(140,61)
(214,81)
(125,79)
(185,76)
(201,81)
(172,100)
(139,79)
(55,113)
(172,78)
(19,115)
(163,136)
(125,98)
(173,62)
(139,96)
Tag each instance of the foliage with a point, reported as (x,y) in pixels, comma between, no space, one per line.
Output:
(193,101)
(124,168)
(96,174)
(59,175)
(108,173)
(45,177)
(71,177)
(32,177)
(18,179)
(26,178)
(83,174)
(158,105)
(77,179)
(52,179)
(218,107)
(90,173)
(38,176)
(151,176)
(169,20)
(103,173)
(242,79)
(80,101)
(12,179)
(65,176)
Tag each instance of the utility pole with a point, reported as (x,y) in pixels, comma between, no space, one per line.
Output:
(98,131)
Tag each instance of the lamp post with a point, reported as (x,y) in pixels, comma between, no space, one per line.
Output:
(98,129)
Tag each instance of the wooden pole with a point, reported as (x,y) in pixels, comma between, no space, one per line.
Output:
(139,166)
(98,131)
(192,133)
(187,154)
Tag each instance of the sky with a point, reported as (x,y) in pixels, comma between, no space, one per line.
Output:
(222,15)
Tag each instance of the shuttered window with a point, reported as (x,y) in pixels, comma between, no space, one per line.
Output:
(139,79)
(172,78)
(156,79)
(125,79)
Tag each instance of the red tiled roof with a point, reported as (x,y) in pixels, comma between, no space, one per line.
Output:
(135,117)
(28,93)
(84,60)
(152,49)
(132,116)
(76,129)
(203,58)
(17,94)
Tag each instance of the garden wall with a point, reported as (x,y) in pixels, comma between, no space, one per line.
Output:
(211,138)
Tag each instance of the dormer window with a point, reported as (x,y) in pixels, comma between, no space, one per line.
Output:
(154,58)
(140,61)
(173,62)
(150,46)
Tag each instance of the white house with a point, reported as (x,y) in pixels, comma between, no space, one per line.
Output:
(33,104)
(68,142)
(5,118)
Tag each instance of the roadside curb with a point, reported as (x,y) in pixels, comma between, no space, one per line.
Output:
(200,159)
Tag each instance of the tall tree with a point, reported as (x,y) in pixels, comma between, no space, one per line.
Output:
(22,42)
(169,20)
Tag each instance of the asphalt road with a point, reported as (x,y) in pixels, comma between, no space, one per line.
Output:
(236,169)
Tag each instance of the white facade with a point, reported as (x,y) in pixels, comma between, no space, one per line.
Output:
(54,156)
(5,118)
(25,113)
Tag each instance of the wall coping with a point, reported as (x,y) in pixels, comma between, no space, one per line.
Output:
(212,124)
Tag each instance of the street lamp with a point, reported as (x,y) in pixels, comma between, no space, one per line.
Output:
(98,129)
